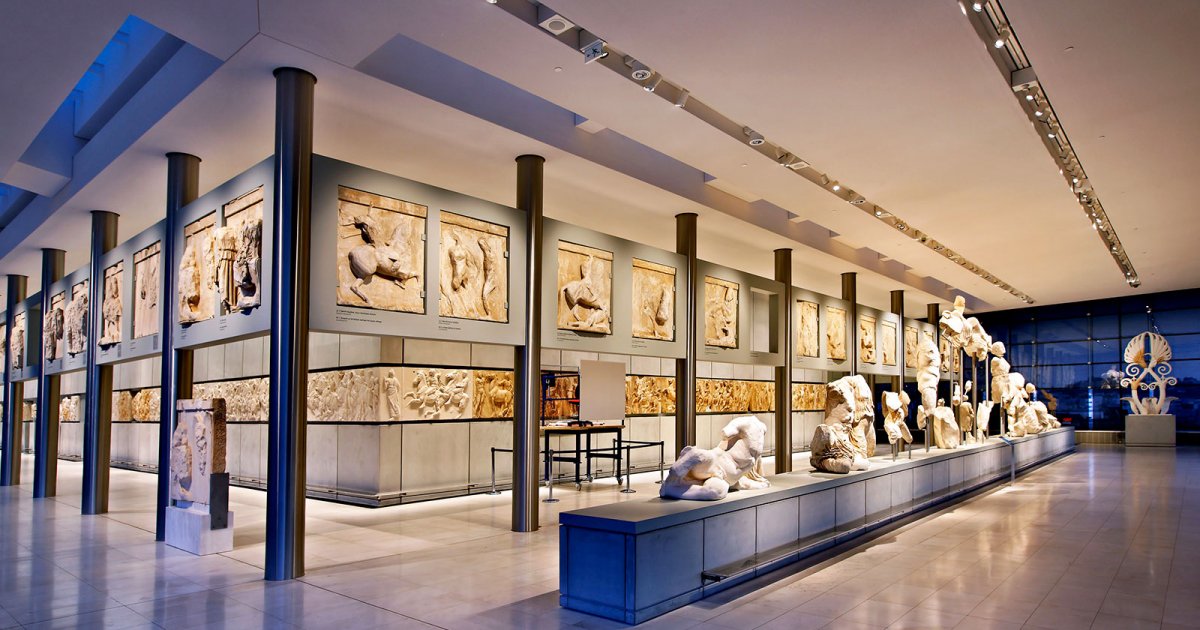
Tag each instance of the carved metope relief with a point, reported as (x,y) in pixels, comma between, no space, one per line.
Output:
(110,308)
(436,394)
(866,338)
(473,269)
(197,449)
(493,394)
(584,288)
(808,340)
(145,290)
(835,333)
(16,347)
(910,346)
(381,252)
(653,300)
(239,253)
(197,271)
(720,313)
(77,319)
(53,328)
(887,345)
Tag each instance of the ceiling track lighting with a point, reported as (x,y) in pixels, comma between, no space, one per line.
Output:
(638,71)
(653,84)
(682,99)
(754,138)
(1002,37)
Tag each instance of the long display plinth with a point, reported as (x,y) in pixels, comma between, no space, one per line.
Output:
(1150,430)
(635,560)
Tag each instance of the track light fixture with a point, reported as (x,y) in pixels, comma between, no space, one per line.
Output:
(834,186)
(1002,37)
(653,84)
(638,71)
(682,99)
(592,47)
(977,6)
(754,138)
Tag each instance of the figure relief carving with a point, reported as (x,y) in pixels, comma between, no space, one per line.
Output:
(808,396)
(584,288)
(473,269)
(910,347)
(145,290)
(493,394)
(239,253)
(835,333)
(808,340)
(866,338)
(53,328)
(649,395)
(77,319)
(734,464)
(122,406)
(381,252)
(197,450)
(16,347)
(653,300)
(559,394)
(887,343)
(437,394)
(110,307)
(197,271)
(345,395)
(846,439)
(720,313)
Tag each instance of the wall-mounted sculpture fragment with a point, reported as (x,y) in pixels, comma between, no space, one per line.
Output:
(584,288)
(721,303)
(649,395)
(436,394)
(846,439)
(653,300)
(146,288)
(77,319)
(866,338)
(493,394)
(197,450)
(895,410)
(887,343)
(910,347)
(381,252)
(53,328)
(239,253)
(197,270)
(835,333)
(808,338)
(111,306)
(734,464)
(16,345)
(473,269)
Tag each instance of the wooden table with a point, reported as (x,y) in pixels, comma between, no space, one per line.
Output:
(584,454)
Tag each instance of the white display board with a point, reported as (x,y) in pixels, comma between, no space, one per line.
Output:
(601,391)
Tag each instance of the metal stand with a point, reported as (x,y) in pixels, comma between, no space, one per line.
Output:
(494,491)
(550,480)
(628,457)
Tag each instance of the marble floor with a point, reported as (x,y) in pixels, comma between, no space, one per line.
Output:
(1105,538)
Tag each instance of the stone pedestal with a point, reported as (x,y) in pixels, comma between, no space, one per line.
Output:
(1150,430)
(190,529)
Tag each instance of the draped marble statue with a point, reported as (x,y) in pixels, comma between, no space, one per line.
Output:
(734,464)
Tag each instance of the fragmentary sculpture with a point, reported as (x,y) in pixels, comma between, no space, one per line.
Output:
(1154,363)
(145,291)
(982,416)
(708,474)
(848,408)
(928,373)
(966,413)
(910,347)
(1029,417)
(976,341)
(52,329)
(393,395)
(584,288)
(945,427)
(895,408)
(77,319)
(225,247)
(344,395)
(16,347)
(196,289)
(648,395)
(247,265)
(197,450)
(493,394)
(721,302)
(437,394)
(381,252)
(866,338)
(808,340)
(238,253)
(953,323)
(1001,390)
(887,344)
(110,307)
(808,396)
(653,300)
(473,269)
(835,333)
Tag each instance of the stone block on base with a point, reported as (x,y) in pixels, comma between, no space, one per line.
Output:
(1150,430)
(190,529)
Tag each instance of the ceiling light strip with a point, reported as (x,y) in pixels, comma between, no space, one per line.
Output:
(991,24)
(596,50)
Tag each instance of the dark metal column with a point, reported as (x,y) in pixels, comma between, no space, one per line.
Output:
(850,294)
(291,215)
(528,358)
(45,447)
(685,368)
(183,183)
(898,309)
(97,412)
(14,392)
(783,373)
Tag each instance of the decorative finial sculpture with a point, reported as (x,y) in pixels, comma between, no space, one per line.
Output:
(1154,364)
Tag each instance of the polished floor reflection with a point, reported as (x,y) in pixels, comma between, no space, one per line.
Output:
(1104,538)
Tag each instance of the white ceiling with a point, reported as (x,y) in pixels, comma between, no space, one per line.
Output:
(898,100)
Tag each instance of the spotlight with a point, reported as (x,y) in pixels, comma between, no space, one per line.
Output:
(592,47)
(492,1)
(857,199)
(554,22)
(878,212)
(1038,113)
(638,71)
(1050,135)
(1028,97)
(755,138)
(653,85)
(901,227)
(834,186)
(977,6)
(1002,36)
(682,99)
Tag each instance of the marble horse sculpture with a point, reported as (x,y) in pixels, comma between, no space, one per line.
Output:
(1154,364)
(702,474)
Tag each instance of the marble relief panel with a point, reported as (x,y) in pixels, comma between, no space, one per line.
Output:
(835,333)
(720,313)
(653,300)
(558,396)
(380,252)
(493,394)
(239,253)
(808,340)
(436,393)
(910,346)
(16,344)
(866,338)
(146,286)
(584,288)
(53,328)
(197,449)
(887,344)
(76,325)
(649,395)
(473,269)
(196,287)
(808,396)
(111,305)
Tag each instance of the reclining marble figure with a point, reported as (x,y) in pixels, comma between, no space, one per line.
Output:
(895,408)
(850,410)
(708,474)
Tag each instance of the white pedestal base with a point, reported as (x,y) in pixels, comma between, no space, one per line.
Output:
(191,530)
(1150,430)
